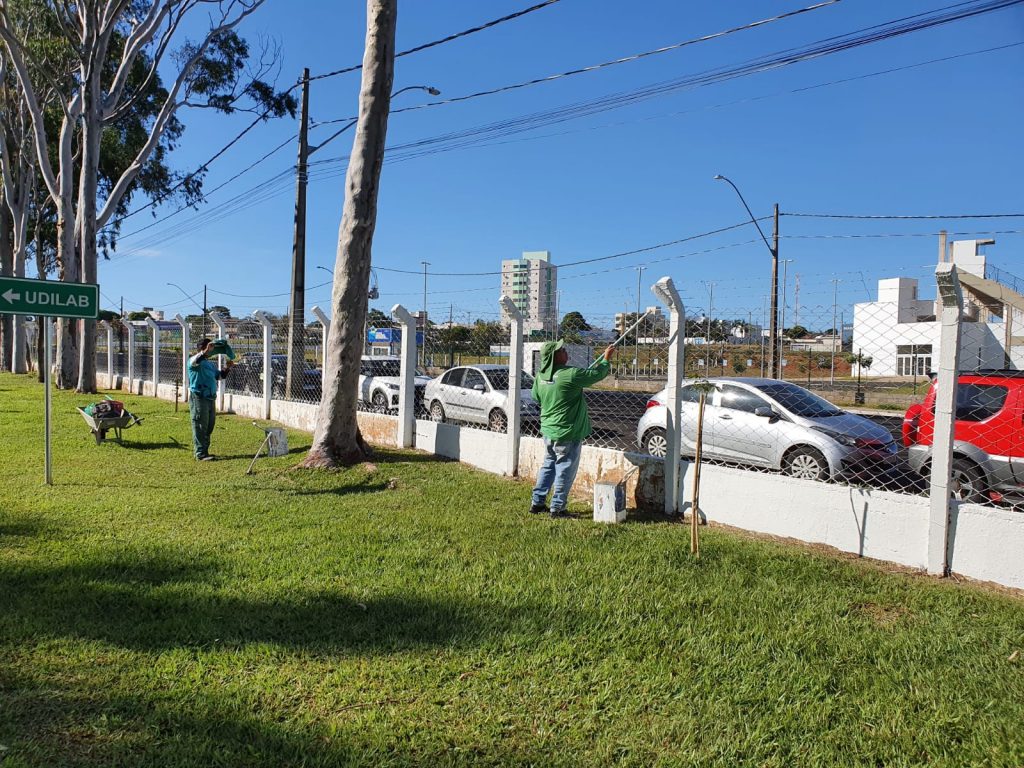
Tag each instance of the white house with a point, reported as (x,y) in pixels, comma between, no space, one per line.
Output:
(899,331)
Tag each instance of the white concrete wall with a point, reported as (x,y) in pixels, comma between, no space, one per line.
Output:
(866,522)
(988,544)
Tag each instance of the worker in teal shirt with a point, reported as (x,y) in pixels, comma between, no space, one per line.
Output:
(202,405)
(564,422)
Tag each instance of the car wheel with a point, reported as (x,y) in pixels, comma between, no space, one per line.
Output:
(806,464)
(380,401)
(967,482)
(656,442)
(497,421)
(437,412)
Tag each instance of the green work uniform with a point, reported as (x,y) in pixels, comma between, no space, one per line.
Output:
(563,409)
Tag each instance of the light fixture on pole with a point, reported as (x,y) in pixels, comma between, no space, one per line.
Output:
(774,249)
(192,299)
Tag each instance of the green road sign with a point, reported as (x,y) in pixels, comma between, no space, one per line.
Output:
(48,298)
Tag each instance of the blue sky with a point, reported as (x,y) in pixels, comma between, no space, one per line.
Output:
(937,139)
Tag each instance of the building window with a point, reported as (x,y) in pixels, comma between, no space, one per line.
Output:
(913,359)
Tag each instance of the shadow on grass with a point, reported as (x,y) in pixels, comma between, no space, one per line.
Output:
(163,601)
(206,726)
(142,445)
(342,490)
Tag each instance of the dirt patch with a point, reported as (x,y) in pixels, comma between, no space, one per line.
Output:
(881,615)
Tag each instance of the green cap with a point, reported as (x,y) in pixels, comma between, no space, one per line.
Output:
(547,359)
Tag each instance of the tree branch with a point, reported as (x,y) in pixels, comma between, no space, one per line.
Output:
(168,110)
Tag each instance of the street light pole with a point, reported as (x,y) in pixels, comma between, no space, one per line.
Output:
(835,332)
(774,363)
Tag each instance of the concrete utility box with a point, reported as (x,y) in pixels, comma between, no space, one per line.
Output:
(278,445)
(580,355)
(609,502)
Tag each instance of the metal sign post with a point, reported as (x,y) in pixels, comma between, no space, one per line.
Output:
(47,299)
(46,376)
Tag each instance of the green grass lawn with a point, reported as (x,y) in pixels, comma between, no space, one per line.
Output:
(155,611)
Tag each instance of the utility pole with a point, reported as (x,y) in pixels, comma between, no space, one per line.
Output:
(423,317)
(297,324)
(636,337)
(120,330)
(836,332)
(775,364)
(205,309)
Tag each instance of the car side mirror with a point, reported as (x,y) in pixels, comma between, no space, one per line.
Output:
(766,412)
(478,387)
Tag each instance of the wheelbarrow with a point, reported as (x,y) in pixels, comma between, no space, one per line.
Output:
(100,425)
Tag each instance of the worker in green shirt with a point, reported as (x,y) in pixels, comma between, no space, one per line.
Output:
(564,422)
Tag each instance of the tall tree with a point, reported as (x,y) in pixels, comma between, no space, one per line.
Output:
(17,168)
(337,440)
(110,43)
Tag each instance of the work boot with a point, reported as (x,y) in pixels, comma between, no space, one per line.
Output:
(559,513)
(539,509)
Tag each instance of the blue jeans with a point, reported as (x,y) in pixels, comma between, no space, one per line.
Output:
(561,460)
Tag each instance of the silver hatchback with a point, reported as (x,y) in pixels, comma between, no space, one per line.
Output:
(774,424)
(478,394)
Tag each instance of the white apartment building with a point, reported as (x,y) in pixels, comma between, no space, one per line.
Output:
(532,284)
(900,332)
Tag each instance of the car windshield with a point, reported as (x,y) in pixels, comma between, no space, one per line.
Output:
(386,368)
(499,379)
(798,400)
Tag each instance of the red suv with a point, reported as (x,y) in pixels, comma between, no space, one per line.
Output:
(988,447)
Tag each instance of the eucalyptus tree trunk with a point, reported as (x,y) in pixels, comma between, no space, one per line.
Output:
(337,440)
(6,269)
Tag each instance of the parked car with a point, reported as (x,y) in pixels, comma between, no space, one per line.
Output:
(379,380)
(988,436)
(478,394)
(247,376)
(774,424)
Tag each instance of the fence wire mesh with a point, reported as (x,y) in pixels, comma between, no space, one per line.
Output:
(466,375)
(171,363)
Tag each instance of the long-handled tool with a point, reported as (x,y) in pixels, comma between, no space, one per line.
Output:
(264,444)
(600,357)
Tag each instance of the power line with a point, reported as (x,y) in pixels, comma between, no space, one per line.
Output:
(620,255)
(181,182)
(606,64)
(468,137)
(448,39)
(906,217)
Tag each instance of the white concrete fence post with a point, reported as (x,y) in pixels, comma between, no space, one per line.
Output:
(325,331)
(155,328)
(222,333)
(515,371)
(268,373)
(104,325)
(131,329)
(110,354)
(945,404)
(407,383)
(666,292)
(185,351)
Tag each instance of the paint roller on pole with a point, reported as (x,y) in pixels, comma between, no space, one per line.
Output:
(615,343)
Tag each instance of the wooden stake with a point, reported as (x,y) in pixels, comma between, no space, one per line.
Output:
(695,504)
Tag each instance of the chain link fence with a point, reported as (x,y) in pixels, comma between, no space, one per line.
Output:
(464,376)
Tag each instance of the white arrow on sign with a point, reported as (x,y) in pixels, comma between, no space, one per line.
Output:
(11,296)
